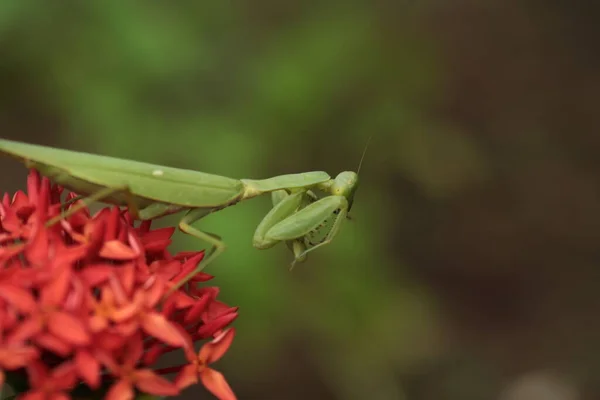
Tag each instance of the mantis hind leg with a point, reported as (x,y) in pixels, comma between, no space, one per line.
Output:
(218,246)
(98,196)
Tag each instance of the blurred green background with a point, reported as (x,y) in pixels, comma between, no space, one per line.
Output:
(470,268)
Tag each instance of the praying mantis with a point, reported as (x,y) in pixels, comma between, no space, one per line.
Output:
(301,219)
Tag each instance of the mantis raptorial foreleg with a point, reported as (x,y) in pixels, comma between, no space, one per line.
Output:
(296,246)
(302,226)
(284,206)
(339,217)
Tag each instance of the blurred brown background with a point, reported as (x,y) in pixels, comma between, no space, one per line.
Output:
(471,267)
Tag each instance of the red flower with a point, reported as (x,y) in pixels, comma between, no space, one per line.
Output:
(50,385)
(129,375)
(14,356)
(198,368)
(89,298)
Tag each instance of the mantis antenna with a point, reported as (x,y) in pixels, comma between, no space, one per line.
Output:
(363,154)
(362,157)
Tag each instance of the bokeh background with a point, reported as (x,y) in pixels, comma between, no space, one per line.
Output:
(470,269)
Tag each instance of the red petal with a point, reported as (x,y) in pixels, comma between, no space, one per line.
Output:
(133,241)
(154,294)
(168,307)
(19,200)
(195,313)
(188,344)
(33,184)
(33,395)
(5,201)
(157,245)
(94,275)
(158,326)
(215,382)
(218,308)
(57,191)
(54,292)
(7,253)
(184,255)
(125,312)
(64,376)
(11,221)
(117,250)
(25,330)
(188,267)
(199,291)
(215,349)
(36,250)
(121,390)
(126,275)
(165,269)
(122,236)
(68,328)
(94,231)
(112,224)
(71,233)
(37,373)
(142,272)
(116,290)
(107,359)
(109,340)
(215,325)
(187,376)
(43,201)
(133,351)
(21,299)
(151,355)
(182,300)
(201,277)
(76,297)
(149,382)
(144,225)
(9,317)
(13,357)
(5,237)
(79,219)
(54,344)
(157,241)
(127,328)
(97,323)
(88,368)
(129,220)
(28,277)
(156,235)
(67,255)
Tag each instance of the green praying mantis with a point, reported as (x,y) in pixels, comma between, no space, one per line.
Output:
(301,219)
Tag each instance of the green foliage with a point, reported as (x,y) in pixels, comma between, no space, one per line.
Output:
(252,91)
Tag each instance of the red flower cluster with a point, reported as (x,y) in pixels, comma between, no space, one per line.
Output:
(85,303)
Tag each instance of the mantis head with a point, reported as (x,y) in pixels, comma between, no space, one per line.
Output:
(345,184)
